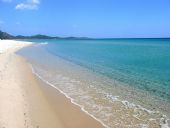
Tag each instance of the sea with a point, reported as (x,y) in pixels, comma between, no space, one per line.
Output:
(122,83)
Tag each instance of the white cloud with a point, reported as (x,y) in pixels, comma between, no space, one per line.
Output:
(35,1)
(29,4)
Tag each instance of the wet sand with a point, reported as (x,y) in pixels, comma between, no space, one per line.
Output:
(26,102)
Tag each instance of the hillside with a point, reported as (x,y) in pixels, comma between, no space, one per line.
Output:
(4,35)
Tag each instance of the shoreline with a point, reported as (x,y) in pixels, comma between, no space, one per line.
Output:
(164,122)
(61,72)
(42,104)
(33,106)
(46,83)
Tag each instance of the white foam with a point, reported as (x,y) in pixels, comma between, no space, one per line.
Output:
(38,44)
(72,100)
(144,126)
(165,126)
(128,105)
(113,98)
(134,106)
(164,122)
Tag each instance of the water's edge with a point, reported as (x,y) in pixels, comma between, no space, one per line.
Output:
(163,120)
(71,100)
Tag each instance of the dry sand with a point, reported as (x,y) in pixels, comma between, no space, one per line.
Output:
(26,103)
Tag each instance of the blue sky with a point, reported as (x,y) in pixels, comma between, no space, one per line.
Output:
(90,18)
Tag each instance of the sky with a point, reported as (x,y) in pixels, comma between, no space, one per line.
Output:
(86,18)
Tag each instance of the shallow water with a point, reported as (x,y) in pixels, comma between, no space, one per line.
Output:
(121,82)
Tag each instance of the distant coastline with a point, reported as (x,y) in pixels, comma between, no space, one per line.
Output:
(5,35)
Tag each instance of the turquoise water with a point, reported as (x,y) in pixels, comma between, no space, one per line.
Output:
(142,65)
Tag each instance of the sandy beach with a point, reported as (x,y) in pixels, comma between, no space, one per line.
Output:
(25,102)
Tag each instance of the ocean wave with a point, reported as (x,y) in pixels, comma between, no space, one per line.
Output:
(39,44)
(72,100)
(96,108)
